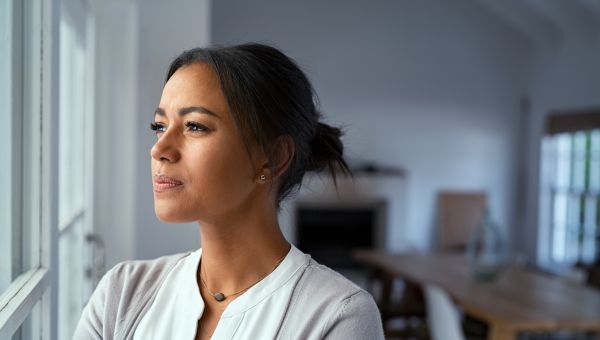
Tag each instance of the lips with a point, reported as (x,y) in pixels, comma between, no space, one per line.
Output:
(164,183)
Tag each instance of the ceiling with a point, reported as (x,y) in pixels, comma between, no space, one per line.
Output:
(549,21)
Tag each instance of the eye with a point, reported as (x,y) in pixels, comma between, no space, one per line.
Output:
(158,127)
(195,127)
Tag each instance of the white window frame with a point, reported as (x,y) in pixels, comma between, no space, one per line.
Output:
(38,285)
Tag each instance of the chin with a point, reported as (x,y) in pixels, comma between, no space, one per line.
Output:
(170,214)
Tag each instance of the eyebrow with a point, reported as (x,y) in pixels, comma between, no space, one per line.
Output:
(185,110)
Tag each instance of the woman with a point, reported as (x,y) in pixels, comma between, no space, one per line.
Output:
(236,129)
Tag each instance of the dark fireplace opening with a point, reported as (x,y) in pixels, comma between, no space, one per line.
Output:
(329,234)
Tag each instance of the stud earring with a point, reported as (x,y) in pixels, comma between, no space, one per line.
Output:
(263,178)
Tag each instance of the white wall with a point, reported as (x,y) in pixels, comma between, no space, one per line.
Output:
(166,28)
(115,143)
(431,86)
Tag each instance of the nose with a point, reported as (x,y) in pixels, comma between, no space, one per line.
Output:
(165,149)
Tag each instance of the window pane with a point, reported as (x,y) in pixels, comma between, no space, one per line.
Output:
(590,228)
(31,148)
(595,161)
(573,228)
(559,227)
(11,88)
(5,146)
(563,161)
(579,161)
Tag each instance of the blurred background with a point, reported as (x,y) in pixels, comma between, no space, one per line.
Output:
(450,109)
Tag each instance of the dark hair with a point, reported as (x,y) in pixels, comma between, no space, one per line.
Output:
(269,96)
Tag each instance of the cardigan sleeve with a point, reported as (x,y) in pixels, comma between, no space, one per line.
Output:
(94,323)
(356,318)
(121,296)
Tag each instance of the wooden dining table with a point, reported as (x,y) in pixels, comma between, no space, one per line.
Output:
(517,300)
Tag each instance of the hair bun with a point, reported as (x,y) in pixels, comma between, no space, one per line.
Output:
(326,147)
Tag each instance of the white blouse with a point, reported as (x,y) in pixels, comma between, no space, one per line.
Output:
(256,314)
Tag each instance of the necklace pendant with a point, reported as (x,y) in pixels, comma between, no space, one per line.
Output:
(219,296)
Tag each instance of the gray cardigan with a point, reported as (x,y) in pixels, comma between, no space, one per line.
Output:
(324,304)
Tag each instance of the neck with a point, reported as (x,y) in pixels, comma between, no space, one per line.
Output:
(239,252)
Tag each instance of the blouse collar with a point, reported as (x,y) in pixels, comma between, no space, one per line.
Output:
(285,271)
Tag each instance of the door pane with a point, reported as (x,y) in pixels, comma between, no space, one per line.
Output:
(70,282)
(73,168)
(31,327)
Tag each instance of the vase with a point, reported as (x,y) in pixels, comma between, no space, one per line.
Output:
(486,250)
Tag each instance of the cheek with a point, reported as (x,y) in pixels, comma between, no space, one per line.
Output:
(222,169)
(221,176)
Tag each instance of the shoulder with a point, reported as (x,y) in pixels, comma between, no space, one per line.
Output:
(325,304)
(128,272)
(331,284)
(121,295)
(129,280)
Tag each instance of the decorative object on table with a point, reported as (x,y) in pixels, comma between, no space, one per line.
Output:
(486,251)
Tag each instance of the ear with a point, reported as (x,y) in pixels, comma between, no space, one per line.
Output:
(283,153)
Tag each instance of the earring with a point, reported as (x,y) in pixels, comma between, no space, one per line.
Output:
(263,178)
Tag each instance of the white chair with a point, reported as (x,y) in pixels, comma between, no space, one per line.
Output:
(443,317)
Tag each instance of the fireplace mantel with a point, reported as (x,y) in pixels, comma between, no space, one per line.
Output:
(364,189)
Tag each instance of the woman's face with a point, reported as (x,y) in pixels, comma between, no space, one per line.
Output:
(200,165)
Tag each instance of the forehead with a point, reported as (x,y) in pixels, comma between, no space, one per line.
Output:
(194,85)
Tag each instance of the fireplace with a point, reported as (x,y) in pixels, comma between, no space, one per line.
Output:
(329,232)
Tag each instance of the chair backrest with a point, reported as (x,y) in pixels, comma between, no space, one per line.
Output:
(593,276)
(458,214)
(443,318)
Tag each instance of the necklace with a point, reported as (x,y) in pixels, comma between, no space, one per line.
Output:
(221,297)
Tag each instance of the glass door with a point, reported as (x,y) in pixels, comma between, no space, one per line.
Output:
(75,255)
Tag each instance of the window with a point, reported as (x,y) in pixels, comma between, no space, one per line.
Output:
(24,274)
(571,172)
(45,172)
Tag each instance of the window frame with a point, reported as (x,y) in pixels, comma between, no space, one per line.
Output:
(10,178)
(39,226)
